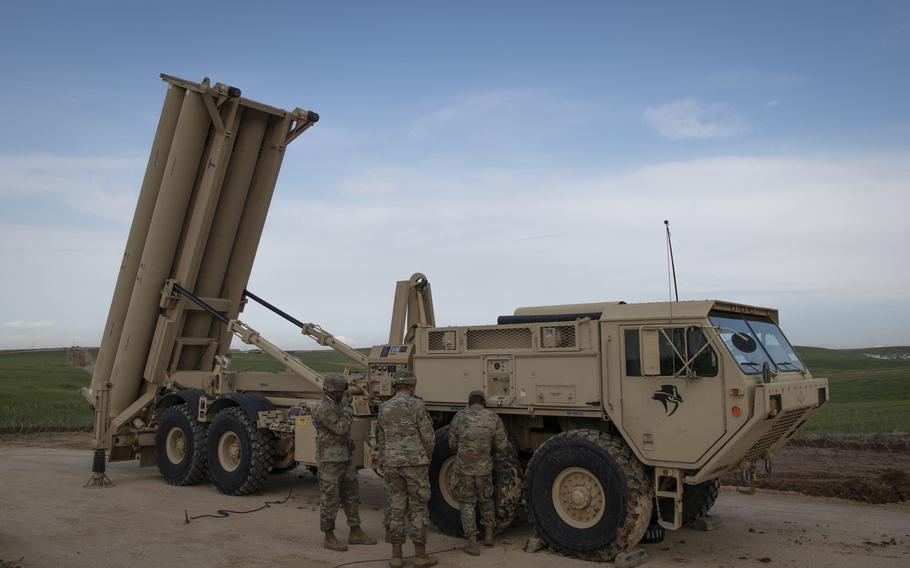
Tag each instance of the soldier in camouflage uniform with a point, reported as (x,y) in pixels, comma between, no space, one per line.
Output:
(474,433)
(337,475)
(406,441)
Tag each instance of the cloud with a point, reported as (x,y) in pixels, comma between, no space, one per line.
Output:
(25,324)
(99,187)
(498,118)
(807,235)
(692,119)
(760,230)
(377,181)
(467,108)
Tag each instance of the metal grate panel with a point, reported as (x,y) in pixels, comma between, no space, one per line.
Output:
(442,340)
(557,336)
(785,422)
(502,338)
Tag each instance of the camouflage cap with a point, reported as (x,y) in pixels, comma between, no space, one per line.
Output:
(404,378)
(335,383)
(479,393)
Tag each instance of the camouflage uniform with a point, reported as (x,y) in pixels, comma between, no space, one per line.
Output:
(336,472)
(474,433)
(406,441)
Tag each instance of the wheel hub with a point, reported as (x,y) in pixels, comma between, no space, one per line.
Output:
(229,451)
(578,497)
(447,482)
(175,445)
(581,497)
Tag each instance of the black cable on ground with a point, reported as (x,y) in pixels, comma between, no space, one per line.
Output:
(224,513)
(353,562)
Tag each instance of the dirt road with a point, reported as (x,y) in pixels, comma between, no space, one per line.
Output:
(48,519)
(872,474)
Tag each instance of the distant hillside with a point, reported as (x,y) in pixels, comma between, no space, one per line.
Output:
(870,388)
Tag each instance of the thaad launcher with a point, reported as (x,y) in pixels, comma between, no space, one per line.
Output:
(622,416)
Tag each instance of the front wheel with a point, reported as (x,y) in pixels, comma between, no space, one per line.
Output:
(240,455)
(180,446)
(587,495)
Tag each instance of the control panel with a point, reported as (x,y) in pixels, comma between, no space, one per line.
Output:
(385,361)
(498,374)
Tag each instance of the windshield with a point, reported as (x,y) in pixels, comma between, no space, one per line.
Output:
(773,348)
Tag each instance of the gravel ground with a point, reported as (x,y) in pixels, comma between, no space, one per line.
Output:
(48,519)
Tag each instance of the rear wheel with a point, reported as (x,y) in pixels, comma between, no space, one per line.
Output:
(180,446)
(443,507)
(587,495)
(240,455)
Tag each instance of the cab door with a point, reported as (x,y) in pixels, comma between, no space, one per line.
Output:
(672,405)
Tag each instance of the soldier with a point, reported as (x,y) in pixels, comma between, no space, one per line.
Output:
(406,441)
(336,472)
(474,433)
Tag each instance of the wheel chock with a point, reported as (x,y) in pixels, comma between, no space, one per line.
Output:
(630,559)
(706,524)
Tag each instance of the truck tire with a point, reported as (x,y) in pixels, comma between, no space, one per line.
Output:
(180,446)
(443,508)
(240,455)
(697,500)
(587,495)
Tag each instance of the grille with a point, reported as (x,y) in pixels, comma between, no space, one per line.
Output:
(508,338)
(785,423)
(441,340)
(557,336)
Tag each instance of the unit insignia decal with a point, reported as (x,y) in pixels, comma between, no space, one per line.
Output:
(668,395)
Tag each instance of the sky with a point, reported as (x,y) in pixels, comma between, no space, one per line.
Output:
(518,153)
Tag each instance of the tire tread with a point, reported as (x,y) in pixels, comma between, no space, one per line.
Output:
(198,470)
(262,450)
(638,484)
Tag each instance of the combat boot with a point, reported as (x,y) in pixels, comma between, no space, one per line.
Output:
(471,547)
(487,536)
(421,559)
(357,536)
(395,561)
(333,543)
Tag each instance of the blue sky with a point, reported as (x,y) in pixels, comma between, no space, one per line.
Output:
(518,153)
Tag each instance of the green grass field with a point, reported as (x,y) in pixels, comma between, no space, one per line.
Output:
(868,395)
(39,390)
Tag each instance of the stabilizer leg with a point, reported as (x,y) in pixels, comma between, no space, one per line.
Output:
(99,478)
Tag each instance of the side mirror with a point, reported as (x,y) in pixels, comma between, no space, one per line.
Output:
(650,352)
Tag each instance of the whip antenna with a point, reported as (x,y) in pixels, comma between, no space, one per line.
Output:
(672,261)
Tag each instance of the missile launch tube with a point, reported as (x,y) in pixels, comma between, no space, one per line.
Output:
(148,195)
(253,219)
(158,253)
(224,229)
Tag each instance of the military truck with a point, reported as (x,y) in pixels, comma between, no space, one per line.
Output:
(620,414)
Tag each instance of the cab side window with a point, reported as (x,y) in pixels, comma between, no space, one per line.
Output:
(633,353)
(678,346)
(705,364)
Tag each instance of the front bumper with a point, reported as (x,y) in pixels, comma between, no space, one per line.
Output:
(779,409)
